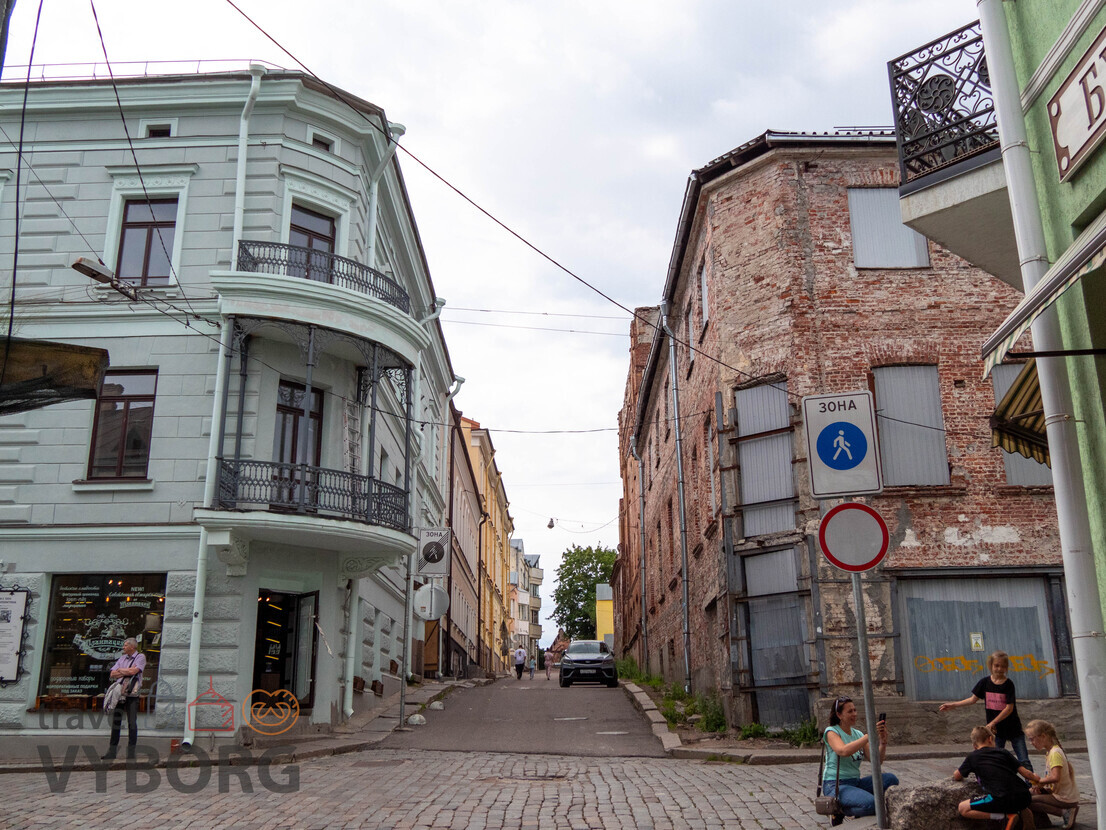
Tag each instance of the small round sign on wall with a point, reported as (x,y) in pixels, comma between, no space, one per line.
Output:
(853,537)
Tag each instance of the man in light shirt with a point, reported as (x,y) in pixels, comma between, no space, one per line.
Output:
(130,665)
(520,662)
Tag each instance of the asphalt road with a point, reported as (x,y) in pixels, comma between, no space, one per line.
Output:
(534,716)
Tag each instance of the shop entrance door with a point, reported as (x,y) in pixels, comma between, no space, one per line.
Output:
(286,644)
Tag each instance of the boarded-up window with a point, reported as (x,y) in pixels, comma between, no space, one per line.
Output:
(880,239)
(911,426)
(951,625)
(1027,472)
(777,620)
(767,488)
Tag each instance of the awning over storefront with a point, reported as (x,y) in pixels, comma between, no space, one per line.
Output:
(1018,424)
(1086,254)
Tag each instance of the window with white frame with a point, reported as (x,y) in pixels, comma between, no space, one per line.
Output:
(146,216)
(146,240)
(157,127)
(122,430)
(1022,471)
(911,425)
(764,436)
(305,191)
(880,239)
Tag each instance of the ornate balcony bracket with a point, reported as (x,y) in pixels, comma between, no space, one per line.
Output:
(232,550)
(944,110)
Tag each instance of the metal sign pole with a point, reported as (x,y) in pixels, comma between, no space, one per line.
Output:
(404,668)
(869,702)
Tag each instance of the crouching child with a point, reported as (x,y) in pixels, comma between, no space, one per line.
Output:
(1005,795)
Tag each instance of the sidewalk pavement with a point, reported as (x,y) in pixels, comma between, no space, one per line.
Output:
(791,755)
(364,730)
(22,754)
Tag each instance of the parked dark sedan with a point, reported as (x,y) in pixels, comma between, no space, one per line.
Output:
(588,661)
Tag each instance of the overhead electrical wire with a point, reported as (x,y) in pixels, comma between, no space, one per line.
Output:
(134,153)
(215,324)
(337,93)
(18,180)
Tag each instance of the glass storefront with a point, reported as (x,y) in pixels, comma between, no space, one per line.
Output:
(89,618)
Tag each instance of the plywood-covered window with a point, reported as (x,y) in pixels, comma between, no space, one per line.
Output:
(880,239)
(767,486)
(911,425)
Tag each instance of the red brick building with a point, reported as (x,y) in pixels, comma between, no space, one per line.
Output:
(793,275)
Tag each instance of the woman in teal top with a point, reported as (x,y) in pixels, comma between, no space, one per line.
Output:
(845,747)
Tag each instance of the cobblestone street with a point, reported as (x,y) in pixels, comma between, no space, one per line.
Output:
(467,791)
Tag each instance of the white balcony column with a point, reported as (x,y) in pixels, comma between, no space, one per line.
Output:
(214,449)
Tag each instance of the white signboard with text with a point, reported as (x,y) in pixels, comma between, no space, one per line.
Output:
(432,557)
(842,445)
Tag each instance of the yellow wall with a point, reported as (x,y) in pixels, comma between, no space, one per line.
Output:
(604,614)
(494,547)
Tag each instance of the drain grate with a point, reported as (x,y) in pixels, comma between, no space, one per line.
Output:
(364,764)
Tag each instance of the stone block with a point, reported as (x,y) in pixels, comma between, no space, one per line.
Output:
(932,806)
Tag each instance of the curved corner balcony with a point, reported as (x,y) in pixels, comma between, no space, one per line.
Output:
(315,491)
(287,282)
(320,266)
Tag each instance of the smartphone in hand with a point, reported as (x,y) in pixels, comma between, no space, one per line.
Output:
(882,717)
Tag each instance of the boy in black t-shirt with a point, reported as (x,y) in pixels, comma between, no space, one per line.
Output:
(1005,795)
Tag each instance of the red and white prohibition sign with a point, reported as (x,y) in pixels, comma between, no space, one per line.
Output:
(853,537)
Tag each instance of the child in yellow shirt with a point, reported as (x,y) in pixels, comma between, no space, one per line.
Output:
(1056,793)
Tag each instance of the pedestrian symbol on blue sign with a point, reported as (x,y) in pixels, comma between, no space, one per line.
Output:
(842,445)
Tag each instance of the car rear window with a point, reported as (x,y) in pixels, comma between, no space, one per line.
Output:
(583,648)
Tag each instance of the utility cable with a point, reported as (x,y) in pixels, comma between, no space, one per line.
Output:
(337,93)
(18,179)
(134,155)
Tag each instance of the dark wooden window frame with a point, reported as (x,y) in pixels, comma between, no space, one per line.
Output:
(154,237)
(127,400)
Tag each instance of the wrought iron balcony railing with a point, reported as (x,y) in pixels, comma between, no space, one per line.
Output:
(944,111)
(315,490)
(295,261)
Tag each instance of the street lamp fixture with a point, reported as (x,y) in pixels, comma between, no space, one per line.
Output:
(96,270)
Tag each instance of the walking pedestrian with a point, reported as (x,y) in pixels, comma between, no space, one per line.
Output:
(533,665)
(548,662)
(520,662)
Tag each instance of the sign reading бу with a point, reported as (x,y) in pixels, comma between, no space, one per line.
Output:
(842,445)
(1077,112)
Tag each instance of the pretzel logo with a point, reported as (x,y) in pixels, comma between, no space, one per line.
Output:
(271,713)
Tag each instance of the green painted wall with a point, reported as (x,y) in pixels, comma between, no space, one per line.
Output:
(1068,207)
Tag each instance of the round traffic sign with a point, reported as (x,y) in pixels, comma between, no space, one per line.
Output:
(434,551)
(431,602)
(841,445)
(853,537)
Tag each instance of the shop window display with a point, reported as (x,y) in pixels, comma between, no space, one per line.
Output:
(89,618)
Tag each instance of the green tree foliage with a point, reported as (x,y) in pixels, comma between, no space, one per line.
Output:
(574,597)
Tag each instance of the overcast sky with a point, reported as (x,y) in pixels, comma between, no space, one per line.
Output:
(574,122)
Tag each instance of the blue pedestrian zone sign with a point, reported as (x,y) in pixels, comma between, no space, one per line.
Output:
(842,445)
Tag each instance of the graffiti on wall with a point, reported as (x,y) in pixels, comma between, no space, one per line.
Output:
(1018,663)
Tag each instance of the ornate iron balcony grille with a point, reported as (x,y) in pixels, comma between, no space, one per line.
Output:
(944,111)
(294,261)
(304,489)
